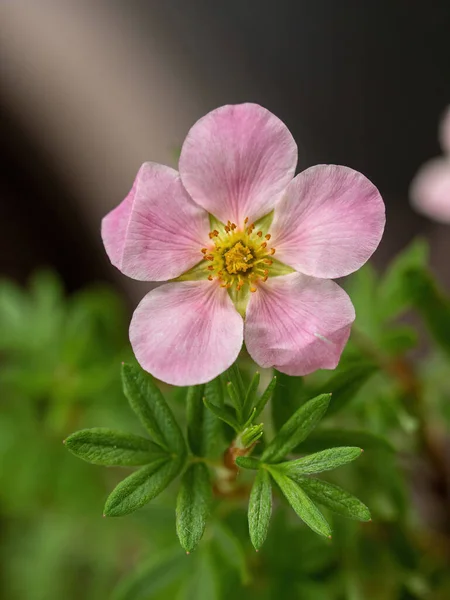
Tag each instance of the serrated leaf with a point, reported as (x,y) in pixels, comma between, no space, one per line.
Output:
(250,396)
(204,429)
(346,384)
(265,397)
(193,505)
(224,414)
(320,461)
(152,410)
(301,503)
(322,439)
(248,462)
(260,508)
(334,498)
(299,426)
(102,446)
(142,486)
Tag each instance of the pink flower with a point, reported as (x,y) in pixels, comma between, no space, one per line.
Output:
(249,250)
(430,189)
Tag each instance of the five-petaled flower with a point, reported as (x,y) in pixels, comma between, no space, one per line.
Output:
(249,250)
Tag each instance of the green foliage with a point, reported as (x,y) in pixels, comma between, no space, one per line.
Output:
(260,508)
(320,461)
(149,405)
(142,486)
(301,503)
(296,429)
(193,505)
(112,448)
(204,430)
(334,498)
(58,374)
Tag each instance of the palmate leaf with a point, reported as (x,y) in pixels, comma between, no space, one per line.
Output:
(204,429)
(102,446)
(334,498)
(320,461)
(301,502)
(193,505)
(260,508)
(296,429)
(152,410)
(142,486)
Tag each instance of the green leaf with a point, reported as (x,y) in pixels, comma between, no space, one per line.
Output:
(266,396)
(193,505)
(148,403)
(237,401)
(214,392)
(320,461)
(260,508)
(231,550)
(334,498)
(432,305)
(225,414)
(346,384)
(250,396)
(204,428)
(248,462)
(287,397)
(237,388)
(301,503)
(396,341)
(153,576)
(363,290)
(112,448)
(393,294)
(322,439)
(299,426)
(141,487)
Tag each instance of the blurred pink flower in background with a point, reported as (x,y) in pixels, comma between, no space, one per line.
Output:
(250,251)
(430,189)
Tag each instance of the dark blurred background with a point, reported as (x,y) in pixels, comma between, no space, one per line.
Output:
(90,90)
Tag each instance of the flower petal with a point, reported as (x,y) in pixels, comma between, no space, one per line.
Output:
(186,333)
(298,324)
(157,232)
(237,160)
(329,222)
(430,190)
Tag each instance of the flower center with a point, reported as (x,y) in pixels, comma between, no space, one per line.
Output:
(240,256)
(238,259)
